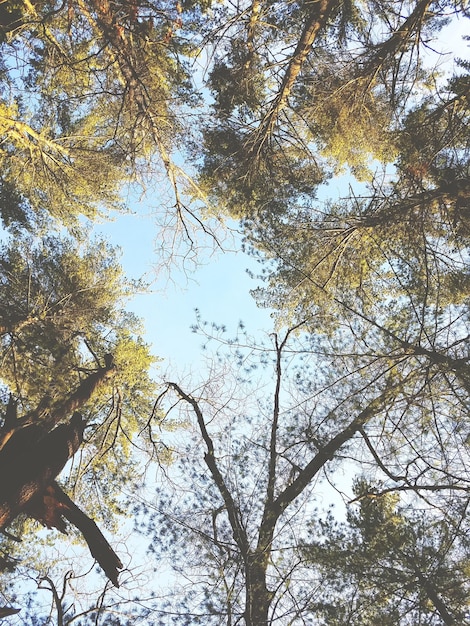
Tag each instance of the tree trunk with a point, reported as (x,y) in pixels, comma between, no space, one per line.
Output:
(33,463)
(318,17)
(257,596)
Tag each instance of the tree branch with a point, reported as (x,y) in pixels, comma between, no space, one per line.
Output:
(209,457)
(390,47)
(54,505)
(321,11)
(328,452)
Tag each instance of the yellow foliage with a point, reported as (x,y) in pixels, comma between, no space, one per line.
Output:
(354,126)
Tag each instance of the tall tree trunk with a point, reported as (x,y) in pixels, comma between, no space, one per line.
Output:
(258,598)
(33,464)
(318,17)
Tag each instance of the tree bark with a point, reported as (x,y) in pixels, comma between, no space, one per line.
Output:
(436,600)
(31,464)
(54,505)
(321,11)
(258,598)
(33,451)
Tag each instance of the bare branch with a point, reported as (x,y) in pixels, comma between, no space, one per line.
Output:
(238,530)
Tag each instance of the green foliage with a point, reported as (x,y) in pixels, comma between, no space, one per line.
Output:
(98,95)
(291,98)
(396,248)
(351,122)
(103,83)
(254,193)
(434,147)
(47,174)
(54,299)
(60,316)
(391,564)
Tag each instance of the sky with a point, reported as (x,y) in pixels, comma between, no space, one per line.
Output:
(219,288)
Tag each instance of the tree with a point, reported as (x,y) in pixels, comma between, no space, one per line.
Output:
(373,286)
(329,86)
(389,561)
(72,360)
(107,85)
(91,95)
(353,92)
(254,471)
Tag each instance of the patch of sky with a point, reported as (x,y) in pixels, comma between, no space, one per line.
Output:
(211,278)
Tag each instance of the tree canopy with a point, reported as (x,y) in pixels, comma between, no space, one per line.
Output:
(250,113)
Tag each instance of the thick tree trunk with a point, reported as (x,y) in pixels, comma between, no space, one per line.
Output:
(29,465)
(33,451)
(258,598)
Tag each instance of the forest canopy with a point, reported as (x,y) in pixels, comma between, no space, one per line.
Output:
(318,475)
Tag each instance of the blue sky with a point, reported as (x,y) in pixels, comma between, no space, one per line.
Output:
(219,287)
